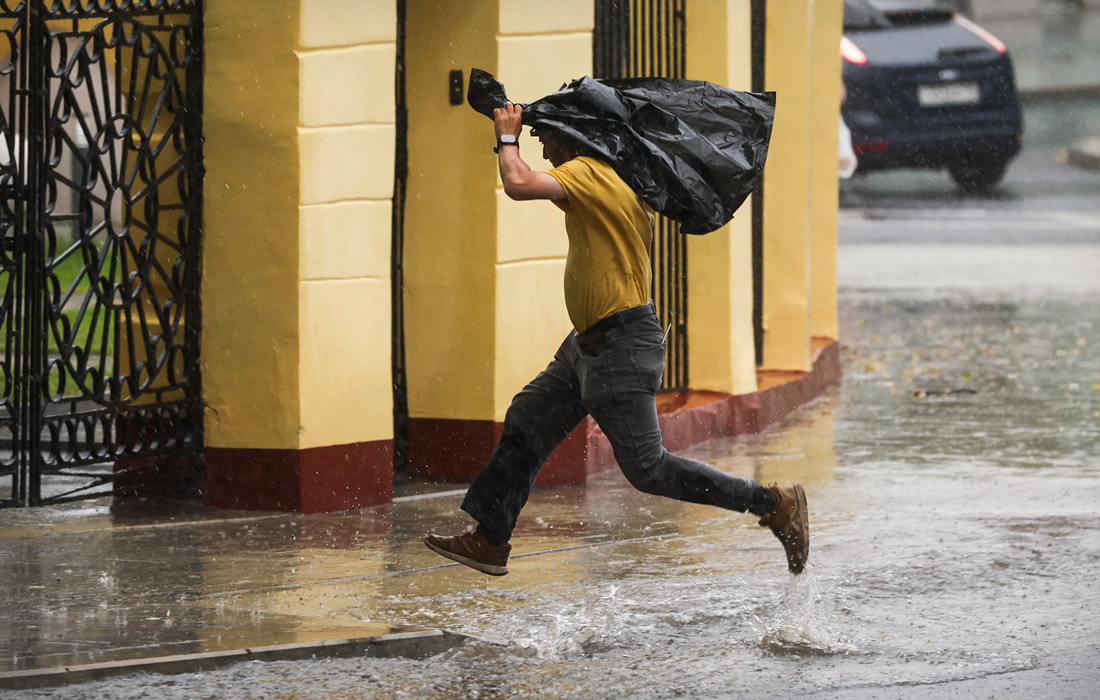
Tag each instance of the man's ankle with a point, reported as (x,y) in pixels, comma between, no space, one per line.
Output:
(492,539)
(764,501)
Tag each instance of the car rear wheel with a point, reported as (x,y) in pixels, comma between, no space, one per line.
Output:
(978,177)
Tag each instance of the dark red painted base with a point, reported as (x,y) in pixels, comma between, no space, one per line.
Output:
(456,450)
(156,477)
(448,450)
(444,450)
(344,477)
(315,480)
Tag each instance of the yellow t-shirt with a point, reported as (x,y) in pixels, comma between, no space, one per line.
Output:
(610,233)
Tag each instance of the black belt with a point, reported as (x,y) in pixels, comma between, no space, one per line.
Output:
(595,334)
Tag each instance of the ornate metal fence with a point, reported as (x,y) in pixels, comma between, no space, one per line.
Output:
(100,201)
(647,38)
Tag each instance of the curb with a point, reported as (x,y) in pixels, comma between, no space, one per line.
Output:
(413,645)
(1052,92)
(1085,155)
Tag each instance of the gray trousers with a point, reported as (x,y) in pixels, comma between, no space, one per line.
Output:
(611,371)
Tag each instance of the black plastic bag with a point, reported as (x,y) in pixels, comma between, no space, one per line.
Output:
(692,150)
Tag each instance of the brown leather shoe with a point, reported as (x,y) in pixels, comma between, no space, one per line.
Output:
(790,521)
(472,549)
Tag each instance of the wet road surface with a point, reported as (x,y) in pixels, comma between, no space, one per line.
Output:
(955,499)
(954,493)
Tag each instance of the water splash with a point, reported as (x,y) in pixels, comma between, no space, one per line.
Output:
(570,630)
(802,626)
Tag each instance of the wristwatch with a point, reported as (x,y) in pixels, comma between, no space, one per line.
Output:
(506,140)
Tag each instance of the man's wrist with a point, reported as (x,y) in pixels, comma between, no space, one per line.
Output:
(506,140)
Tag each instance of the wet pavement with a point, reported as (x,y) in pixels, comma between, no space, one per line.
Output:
(953,481)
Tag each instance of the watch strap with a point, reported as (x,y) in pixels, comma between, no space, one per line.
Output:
(506,140)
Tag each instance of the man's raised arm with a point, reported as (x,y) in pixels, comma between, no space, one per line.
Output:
(520,182)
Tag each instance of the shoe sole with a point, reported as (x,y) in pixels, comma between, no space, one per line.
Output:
(491,569)
(804,520)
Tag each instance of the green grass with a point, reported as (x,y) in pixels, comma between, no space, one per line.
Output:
(91,339)
(84,336)
(66,272)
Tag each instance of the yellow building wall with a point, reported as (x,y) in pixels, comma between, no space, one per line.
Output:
(540,46)
(787,219)
(450,215)
(825,81)
(300,139)
(299,129)
(721,352)
(250,358)
(346,134)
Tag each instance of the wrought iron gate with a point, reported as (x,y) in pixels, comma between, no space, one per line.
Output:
(636,38)
(100,201)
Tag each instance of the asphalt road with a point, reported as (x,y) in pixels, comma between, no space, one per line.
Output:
(1040,192)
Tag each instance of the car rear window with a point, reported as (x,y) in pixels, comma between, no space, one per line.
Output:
(861,15)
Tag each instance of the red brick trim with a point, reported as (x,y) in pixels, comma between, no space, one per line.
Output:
(314,480)
(342,477)
(456,450)
(782,392)
(449,450)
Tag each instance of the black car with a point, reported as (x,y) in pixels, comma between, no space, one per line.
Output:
(928,88)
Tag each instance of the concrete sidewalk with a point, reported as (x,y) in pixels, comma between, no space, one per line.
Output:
(103,581)
(97,582)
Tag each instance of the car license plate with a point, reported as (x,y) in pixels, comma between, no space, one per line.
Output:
(948,94)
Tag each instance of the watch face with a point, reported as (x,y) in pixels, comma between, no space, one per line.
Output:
(508,138)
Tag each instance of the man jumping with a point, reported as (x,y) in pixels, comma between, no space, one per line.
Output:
(610,366)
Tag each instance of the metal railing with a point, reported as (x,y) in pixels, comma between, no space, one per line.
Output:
(647,38)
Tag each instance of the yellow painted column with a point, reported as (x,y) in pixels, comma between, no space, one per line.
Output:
(787,188)
(346,148)
(250,352)
(721,352)
(540,46)
(484,307)
(825,81)
(299,127)
(450,238)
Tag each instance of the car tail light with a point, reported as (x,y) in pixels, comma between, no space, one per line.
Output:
(870,147)
(983,34)
(851,53)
